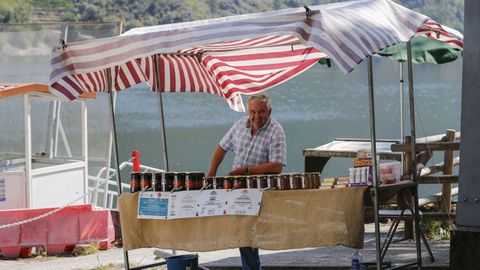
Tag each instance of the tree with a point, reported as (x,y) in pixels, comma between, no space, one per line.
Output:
(15,11)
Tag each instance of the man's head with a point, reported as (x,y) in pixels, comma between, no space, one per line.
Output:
(259,110)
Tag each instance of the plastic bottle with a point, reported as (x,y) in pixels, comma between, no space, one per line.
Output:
(136,161)
(356,260)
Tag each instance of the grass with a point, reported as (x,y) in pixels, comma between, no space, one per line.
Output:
(435,229)
(82,250)
(109,266)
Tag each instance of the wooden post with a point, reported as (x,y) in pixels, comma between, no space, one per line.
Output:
(408,170)
(447,170)
(407,158)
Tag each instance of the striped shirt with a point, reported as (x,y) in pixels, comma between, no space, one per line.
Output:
(267,145)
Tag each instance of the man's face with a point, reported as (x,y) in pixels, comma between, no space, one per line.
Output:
(258,114)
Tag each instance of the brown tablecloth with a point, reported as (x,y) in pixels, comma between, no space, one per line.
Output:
(287,219)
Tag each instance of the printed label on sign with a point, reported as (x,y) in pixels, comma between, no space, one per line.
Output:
(211,202)
(244,202)
(183,204)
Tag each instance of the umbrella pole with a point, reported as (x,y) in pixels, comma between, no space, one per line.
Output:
(413,152)
(162,123)
(402,124)
(114,131)
(115,142)
(374,160)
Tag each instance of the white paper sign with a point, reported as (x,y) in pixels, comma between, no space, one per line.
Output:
(183,204)
(211,202)
(153,205)
(195,203)
(244,202)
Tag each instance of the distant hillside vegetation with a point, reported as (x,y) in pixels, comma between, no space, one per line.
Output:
(136,13)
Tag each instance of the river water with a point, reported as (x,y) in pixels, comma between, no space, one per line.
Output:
(314,108)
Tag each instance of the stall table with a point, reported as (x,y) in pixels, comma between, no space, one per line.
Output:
(287,219)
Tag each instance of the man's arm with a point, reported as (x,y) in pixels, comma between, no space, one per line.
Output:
(217,158)
(269,167)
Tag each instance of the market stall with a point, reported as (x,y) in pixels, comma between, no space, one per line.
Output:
(242,55)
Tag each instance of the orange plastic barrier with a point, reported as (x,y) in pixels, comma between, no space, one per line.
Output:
(58,233)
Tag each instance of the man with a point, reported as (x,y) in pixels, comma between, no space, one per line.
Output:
(259,144)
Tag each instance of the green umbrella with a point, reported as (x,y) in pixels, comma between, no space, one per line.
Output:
(423,50)
(437,44)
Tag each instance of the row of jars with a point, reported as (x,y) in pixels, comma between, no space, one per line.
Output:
(167,181)
(196,180)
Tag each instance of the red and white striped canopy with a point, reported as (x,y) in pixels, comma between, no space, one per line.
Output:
(235,55)
(435,31)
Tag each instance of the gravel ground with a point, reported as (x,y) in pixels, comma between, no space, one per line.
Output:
(328,257)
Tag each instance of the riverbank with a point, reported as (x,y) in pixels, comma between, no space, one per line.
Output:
(309,258)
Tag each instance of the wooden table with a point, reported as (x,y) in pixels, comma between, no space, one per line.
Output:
(316,158)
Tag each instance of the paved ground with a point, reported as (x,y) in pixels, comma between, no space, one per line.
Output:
(310,258)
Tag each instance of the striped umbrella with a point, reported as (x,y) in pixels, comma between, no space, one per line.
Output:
(234,55)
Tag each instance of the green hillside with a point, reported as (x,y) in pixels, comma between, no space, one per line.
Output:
(150,12)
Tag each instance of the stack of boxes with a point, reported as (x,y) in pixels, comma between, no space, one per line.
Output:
(328,183)
(360,174)
(331,182)
(341,182)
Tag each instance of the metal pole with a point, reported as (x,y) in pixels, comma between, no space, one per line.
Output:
(109,145)
(115,141)
(85,147)
(50,124)
(109,157)
(162,124)
(117,160)
(126,260)
(413,153)
(120,27)
(56,127)
(374,160)
(65,34)
(402,124)
(114,131)
(56,104)
(27,122)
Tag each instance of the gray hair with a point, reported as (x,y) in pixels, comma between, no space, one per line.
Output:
(260,98)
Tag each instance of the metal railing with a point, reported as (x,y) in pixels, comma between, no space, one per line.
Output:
(107,195)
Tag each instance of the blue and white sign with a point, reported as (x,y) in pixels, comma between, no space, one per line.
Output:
(153,205)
